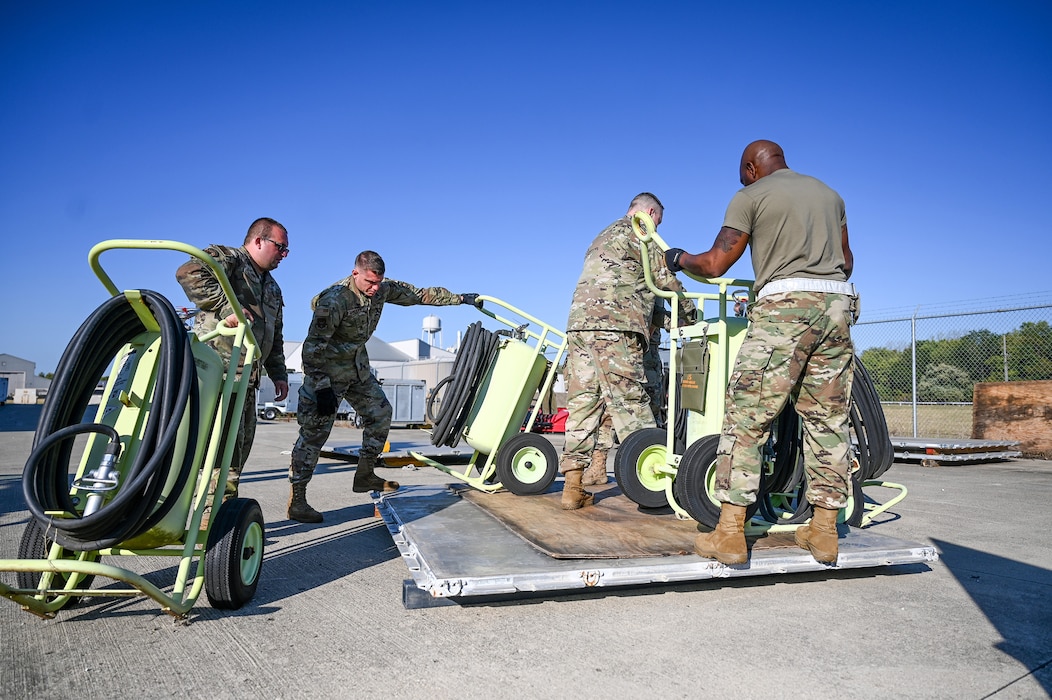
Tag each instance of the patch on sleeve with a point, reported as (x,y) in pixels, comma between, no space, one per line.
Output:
(321,319)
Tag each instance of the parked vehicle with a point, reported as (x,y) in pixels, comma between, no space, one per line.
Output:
(407,397)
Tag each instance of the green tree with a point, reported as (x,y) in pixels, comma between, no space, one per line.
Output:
(943,382)
(890,371)
(973,352)
(1030,352)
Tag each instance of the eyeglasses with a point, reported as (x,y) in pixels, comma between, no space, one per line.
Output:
(282,248)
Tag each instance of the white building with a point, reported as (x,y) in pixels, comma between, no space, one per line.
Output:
(404,359)
(23,384)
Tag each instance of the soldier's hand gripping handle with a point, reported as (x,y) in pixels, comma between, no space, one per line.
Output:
(672,256)
(472,299)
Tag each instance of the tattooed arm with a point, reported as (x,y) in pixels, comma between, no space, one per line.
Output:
(729,245)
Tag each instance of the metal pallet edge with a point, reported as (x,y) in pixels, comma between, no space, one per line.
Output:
(957,457)
(429,587)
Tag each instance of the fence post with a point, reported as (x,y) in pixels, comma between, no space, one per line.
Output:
(1004,353)
(913,365)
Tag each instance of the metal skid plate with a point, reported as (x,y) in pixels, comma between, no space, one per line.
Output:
(937,451)
(456,552)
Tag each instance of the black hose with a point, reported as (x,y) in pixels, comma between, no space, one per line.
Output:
(788,465)
(867,422)
(474,358)
(139,503)
(433,397)
(876,453)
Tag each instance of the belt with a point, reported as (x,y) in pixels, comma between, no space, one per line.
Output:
(802,284)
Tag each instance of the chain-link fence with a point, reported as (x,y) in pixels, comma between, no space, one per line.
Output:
(925,365)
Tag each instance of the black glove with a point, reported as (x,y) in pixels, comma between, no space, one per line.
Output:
(472,299)
(672,256)
(326,400)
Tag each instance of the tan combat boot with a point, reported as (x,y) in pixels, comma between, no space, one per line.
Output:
(574,496)
(820,536)
(595,474)
(726,543)
(299,509)
(365,479)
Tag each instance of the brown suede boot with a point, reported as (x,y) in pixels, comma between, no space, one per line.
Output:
(820,536)
(574,496)
(365,479)
(299,509)
(726,543)
(595,474)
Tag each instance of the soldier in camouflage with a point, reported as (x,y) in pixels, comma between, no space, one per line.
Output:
(336,366)
(248,268)
(798,345)
(595,474)
(607,334)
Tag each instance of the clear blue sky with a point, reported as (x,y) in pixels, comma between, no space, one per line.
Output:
(481,146)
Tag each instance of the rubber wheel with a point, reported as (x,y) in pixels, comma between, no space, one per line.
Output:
(270,413)
(634,465)
(34,545)
(234,556)
(527,464)
(695,483)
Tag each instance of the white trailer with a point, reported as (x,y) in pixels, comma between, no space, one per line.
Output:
(408,399)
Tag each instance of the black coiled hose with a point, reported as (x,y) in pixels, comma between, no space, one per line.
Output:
(876,453)
(139,503)
(474,357)
(870,429)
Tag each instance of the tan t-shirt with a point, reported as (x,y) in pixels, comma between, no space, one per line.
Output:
(794,223)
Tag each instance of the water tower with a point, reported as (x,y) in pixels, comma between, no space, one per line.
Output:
(433,330)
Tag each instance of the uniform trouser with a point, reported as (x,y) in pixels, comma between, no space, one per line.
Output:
(369,402)
(798,346)
(604,376)
(604,435)
(246,434)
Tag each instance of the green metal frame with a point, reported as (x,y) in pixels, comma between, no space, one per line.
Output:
(545,338)
(190,549)
(722,359)
(872,510)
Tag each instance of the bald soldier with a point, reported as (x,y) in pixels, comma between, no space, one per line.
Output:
(798,345)
(606,337)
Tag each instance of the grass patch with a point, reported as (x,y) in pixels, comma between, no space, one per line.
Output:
(935,421)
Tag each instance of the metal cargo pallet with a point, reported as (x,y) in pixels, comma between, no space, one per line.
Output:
(458,553)
(933,451)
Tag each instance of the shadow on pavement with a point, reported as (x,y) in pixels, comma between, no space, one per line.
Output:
(342,546)
(1014,598)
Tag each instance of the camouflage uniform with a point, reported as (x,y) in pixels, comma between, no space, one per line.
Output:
(334,356)
(654,370)
(259,293)
(607,335)
(799,345)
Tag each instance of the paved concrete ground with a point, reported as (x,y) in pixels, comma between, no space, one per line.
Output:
(328,621)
